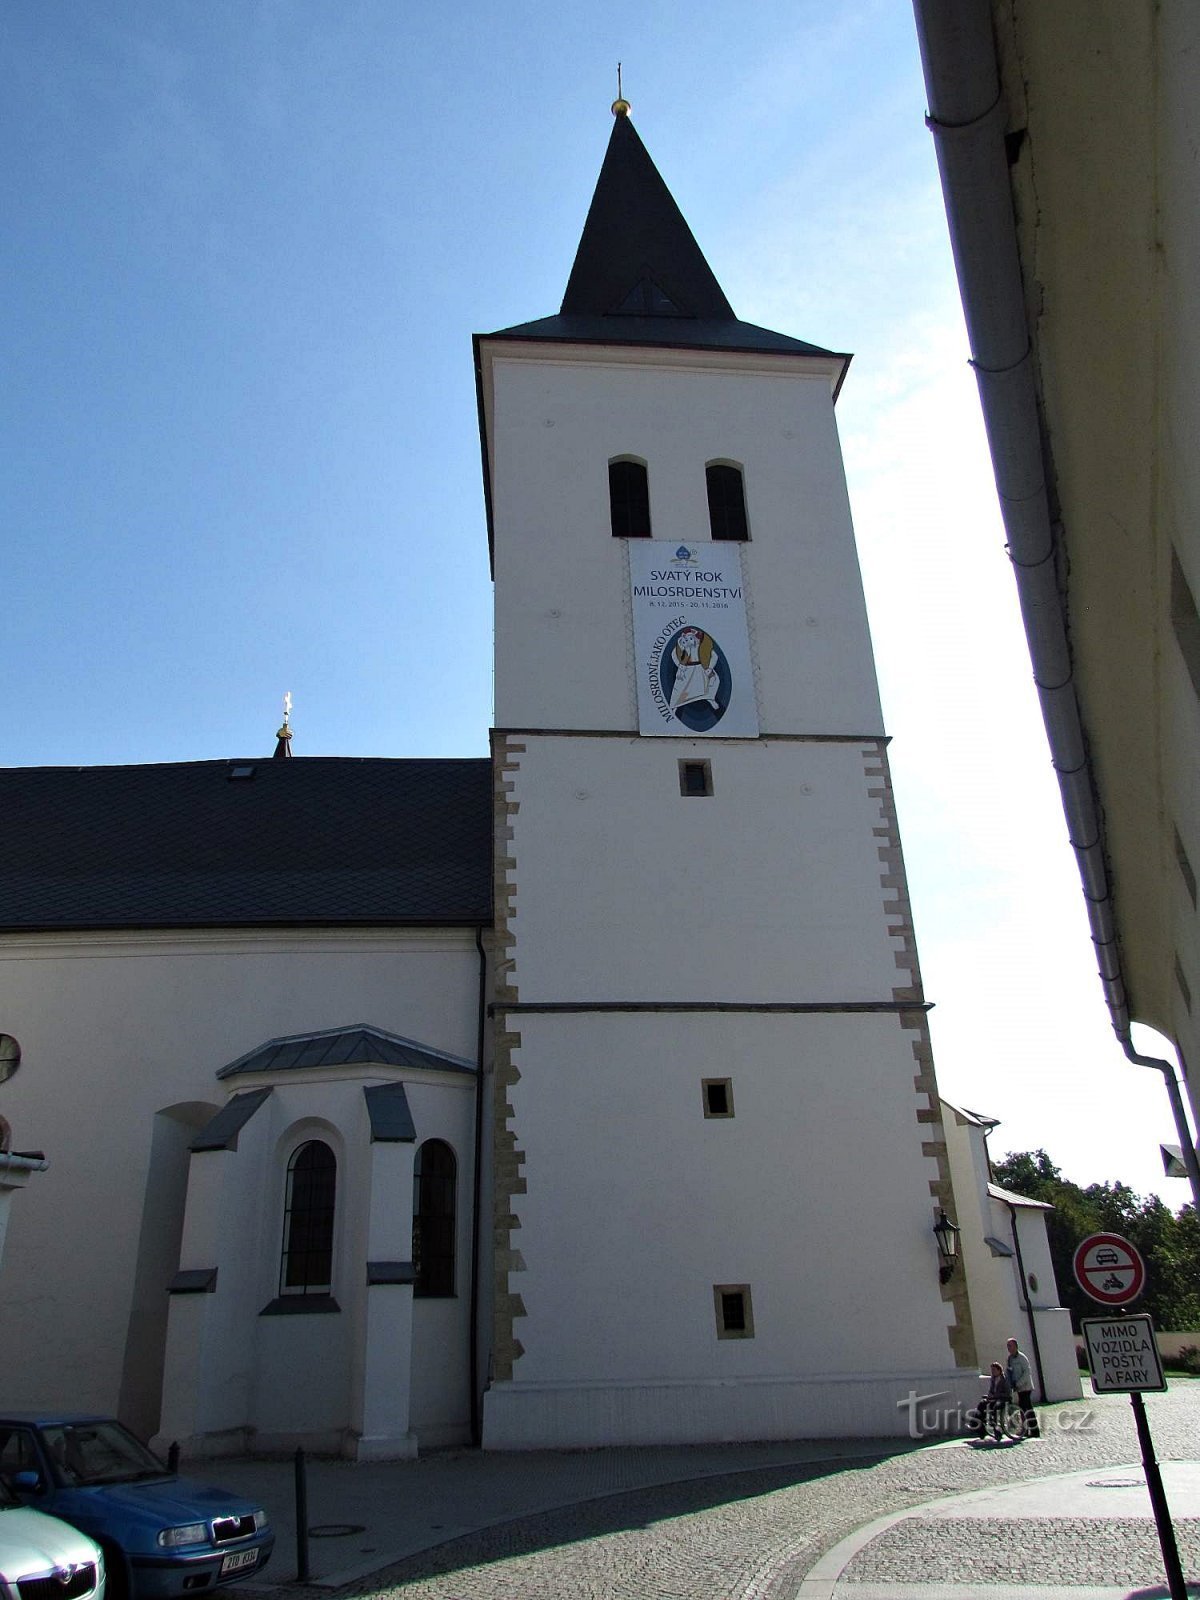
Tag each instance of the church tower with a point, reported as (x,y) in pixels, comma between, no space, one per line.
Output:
(718,1157)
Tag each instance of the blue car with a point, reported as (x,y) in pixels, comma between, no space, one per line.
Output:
(162,1535)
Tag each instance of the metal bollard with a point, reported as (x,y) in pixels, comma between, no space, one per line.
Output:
(301,1518)
(173,1456)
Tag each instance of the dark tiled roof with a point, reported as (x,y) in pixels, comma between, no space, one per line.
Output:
(636,250)
(359,1044)
(312,842)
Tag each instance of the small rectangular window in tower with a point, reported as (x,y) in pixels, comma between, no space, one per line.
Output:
(695,777)
(718,1097)
(1185,868)
(735,1317)
(726,501)
(629,498)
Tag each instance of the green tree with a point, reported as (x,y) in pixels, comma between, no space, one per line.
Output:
(1168,1242)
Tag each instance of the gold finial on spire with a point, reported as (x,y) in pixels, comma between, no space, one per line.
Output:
(284,747)
(620,106)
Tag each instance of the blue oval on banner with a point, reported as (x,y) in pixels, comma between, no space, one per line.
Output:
(695,678)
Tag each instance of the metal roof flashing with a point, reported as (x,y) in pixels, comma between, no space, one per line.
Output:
(355,1047)
(1012,1199)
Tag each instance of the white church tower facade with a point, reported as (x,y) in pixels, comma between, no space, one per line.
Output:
(718,1158)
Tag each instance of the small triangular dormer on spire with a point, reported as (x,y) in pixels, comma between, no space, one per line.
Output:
(637,256)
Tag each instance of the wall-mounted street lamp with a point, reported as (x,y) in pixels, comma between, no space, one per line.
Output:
(946,1233)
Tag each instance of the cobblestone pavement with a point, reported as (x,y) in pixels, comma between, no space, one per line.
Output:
(753,1535)
(1043,1551)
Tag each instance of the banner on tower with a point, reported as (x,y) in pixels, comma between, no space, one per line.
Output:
(690,640)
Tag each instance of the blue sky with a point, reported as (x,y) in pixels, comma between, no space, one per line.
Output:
(246,245)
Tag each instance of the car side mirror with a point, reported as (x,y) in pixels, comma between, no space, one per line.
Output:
(26,1482)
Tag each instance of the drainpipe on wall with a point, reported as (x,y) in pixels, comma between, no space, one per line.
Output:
(1029,1316)
(1186,1147)
(473,1373)
(966,118)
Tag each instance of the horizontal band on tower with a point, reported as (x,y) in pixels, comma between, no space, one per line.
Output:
(855,1007)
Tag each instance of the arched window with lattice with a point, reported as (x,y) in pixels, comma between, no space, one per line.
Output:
(307,1266)
(435,1174)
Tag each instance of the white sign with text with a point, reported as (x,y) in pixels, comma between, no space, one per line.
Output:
(1122,1354)
(690,640)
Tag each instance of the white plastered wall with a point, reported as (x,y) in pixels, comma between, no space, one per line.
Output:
(561,578)
(15,1173)
(115,1028)
(1036,1303)
(815,1192)
(998,1298)
(1177,219)
(768,890)
(782,889)
(370,1379)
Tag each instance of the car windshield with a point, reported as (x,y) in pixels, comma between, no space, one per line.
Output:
(7,1498)
(98,1452)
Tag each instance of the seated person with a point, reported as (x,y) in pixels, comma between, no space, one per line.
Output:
(994,1401)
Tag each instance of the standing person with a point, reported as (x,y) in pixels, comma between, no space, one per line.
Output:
(1020,1381)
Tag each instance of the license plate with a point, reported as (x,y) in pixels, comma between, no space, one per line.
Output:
(237,1561)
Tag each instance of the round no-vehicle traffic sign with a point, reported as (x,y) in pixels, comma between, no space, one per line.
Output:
(1110,1269)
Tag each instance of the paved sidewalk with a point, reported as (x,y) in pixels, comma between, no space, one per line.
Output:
(1065,1516)
(1086,1535)
(364,1518)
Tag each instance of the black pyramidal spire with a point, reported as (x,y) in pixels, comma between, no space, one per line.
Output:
(639,276)
(637,255)
(639,279)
